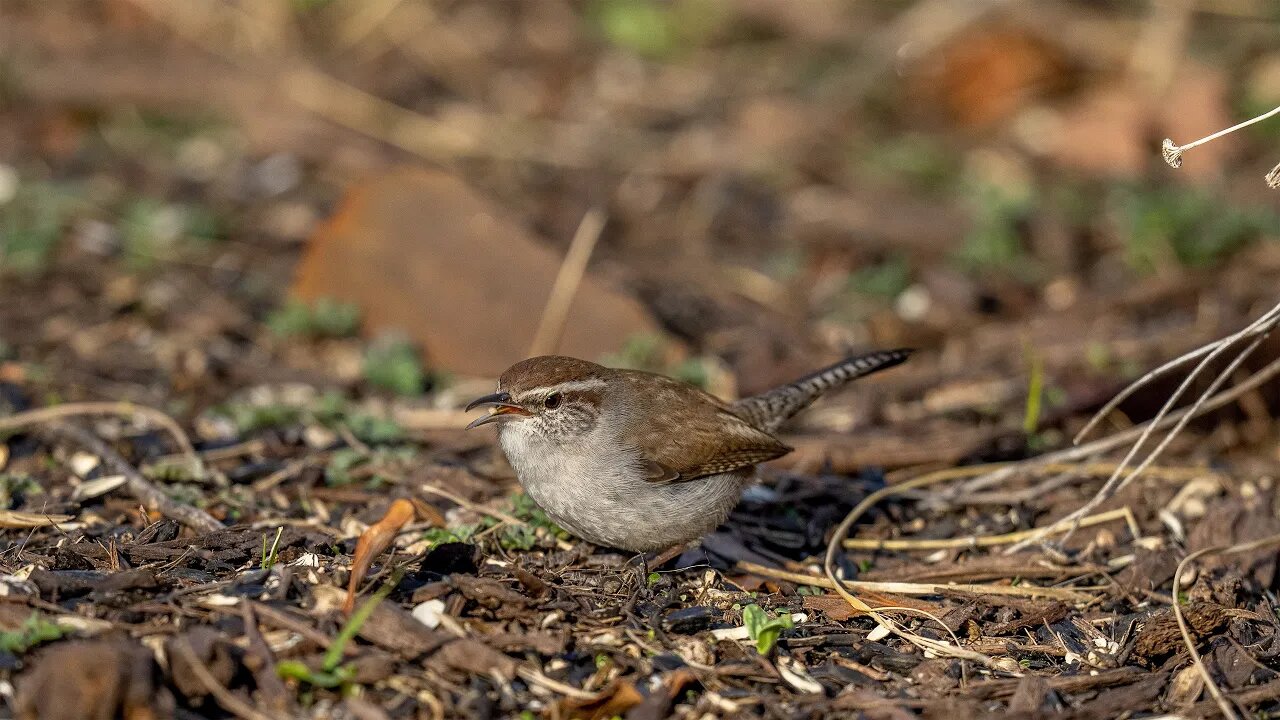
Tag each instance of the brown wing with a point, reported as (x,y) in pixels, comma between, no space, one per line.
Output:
(683,434)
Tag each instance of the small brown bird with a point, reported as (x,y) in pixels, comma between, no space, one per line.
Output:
(639,461)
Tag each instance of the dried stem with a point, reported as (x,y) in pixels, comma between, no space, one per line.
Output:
(1172,152)
(1119,480)
(24,419)
(556,312)
(137,485)
(1226,397)
(1227,710)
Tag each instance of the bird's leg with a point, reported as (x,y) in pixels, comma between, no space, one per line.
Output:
(671,553)
(656,560)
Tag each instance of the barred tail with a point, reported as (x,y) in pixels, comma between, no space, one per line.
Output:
(769,410)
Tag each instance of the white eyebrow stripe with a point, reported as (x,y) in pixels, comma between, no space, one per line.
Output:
(569,386)
(572,385)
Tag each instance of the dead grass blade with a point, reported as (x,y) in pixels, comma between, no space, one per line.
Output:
(1227,710)
(977,541)
(916,588)
(574,266)
(125,409)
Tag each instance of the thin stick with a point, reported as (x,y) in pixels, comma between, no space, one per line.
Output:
(123,408)
(1177,362)
(1116,482)
(1226,397)
(1227,710)
(225,698)
(977,541)
(554,315)
(137,485)
(538,678)
(829,567)
(917,589)
(463,502)
(1173,153)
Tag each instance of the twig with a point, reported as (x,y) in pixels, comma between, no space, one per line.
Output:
(1226,397)
(1118,480)
(225,698)
(976,541)
(17,421)
(1173,153)
(1227,710)
(1253,328)
(465,503)
(538,678)
(137,485)
(574,266)
(917,589)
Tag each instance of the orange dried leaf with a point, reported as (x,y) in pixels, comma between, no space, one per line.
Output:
(371,544)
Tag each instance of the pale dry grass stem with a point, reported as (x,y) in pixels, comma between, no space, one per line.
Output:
(1256,332)
(555,313)
(1223,704)
(1172,152)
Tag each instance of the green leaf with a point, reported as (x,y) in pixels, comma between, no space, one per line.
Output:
(763,629)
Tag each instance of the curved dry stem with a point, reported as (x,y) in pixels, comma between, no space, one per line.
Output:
(1173,153)
(1226,397)
(572,268)
(834,546)
(1118,481)
(1270,316)
(1223,704)
(123,408)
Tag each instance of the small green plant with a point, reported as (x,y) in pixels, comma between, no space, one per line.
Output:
(657,29)
(33,631)
(152,230)
(325,318)
(332,672)
(994,241)
(393,364)
(347,465)
(1035,393)
(763,628)
(270,556)
(1187,226)
(460,533)
(14,486)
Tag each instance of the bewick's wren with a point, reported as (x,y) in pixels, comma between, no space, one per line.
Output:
(639,461)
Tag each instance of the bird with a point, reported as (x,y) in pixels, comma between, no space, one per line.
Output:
(640,461)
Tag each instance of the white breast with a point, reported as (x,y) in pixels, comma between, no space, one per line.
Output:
(594,490)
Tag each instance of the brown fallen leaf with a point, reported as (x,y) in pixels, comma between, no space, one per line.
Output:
(613,701)
(371,544)
(14,519)
(474,657)
(839,610)
(658,704)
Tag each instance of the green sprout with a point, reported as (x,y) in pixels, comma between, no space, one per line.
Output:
(270,556)
(333,673)
(763,629)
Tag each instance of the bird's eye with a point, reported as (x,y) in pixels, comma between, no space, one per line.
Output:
(552,402)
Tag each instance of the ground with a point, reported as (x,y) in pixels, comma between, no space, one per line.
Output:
(202,431)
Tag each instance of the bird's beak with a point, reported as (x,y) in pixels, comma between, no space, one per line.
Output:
(499,405)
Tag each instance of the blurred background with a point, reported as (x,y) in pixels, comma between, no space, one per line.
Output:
(204,198)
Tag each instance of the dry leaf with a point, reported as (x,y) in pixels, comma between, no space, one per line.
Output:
(14,519)
(371,544)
